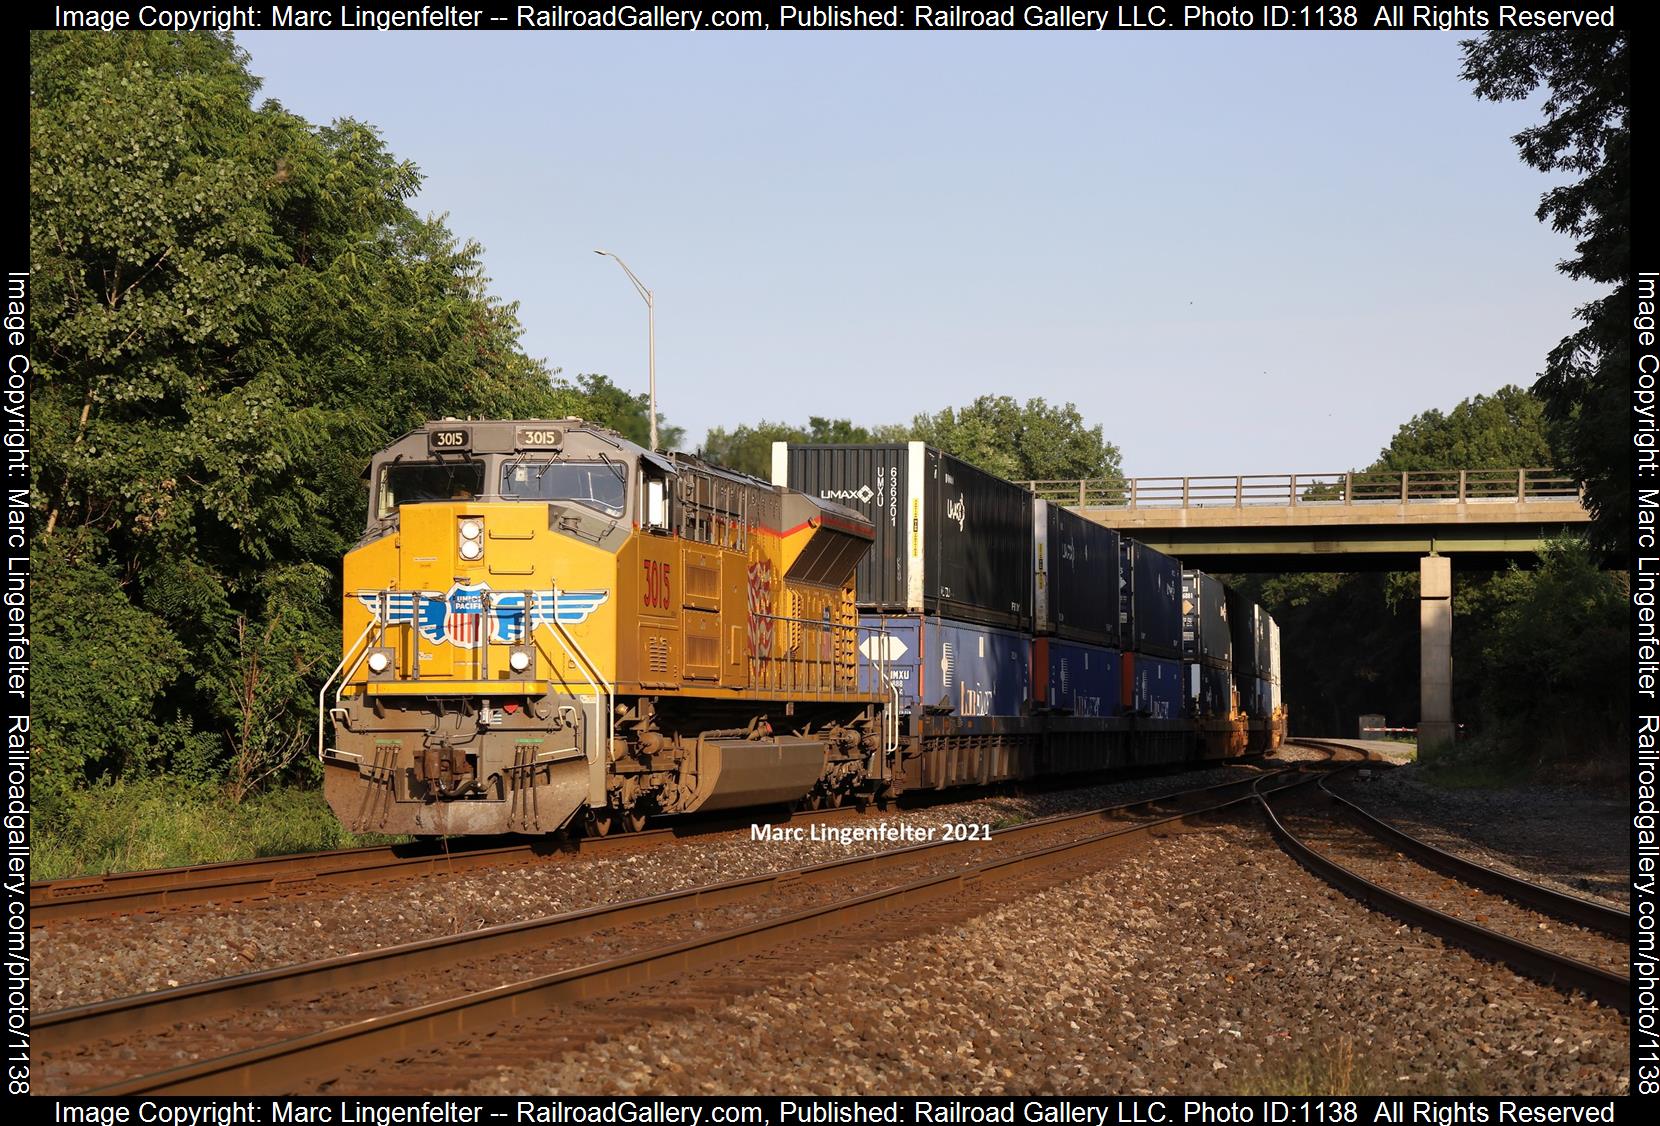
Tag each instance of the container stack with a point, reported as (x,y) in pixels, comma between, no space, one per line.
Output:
(945,594)
(1151,622)
(1207,648)
(1256,669)
(1076,668)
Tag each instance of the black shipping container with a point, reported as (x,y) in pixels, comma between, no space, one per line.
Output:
(1205,636)
(1209,691)
(1075,587)
(1126,592)
(1263,629)
(1156,601)
(1243,628)
(951,539)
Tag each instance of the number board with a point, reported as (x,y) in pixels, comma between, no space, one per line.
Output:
(538,437)
(449,440)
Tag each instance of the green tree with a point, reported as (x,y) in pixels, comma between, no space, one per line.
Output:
(748,449)
(1585,133)
(233,309)
(1351,640)
(1555,673)
(1504,430)
(1029,442)
(594,398)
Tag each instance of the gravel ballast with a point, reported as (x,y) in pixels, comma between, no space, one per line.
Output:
(1568,838)
(97,959)
(1211,963)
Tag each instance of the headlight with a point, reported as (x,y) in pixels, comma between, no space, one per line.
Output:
(471,549)
(518,660)
(379,662)
(471,529)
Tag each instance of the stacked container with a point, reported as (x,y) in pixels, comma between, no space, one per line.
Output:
(946,589)
(1207,647)
(951,668)
(1075,588)
(1150,617)
(1075,660)
(1275,703)
(951,540)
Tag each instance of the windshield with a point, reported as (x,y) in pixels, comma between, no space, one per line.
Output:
(597,484)
(414,483)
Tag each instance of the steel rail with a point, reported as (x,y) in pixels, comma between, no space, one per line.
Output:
(1547,966)
(232,880)
(1333,745)
(157,889)
(1594,916)
(59,1030)
(288,1065)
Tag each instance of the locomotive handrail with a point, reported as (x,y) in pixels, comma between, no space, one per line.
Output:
(602,688)
(324,691)
(413,623)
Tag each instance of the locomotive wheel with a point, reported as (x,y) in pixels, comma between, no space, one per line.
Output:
(834,799)
(598,824)
(633,821)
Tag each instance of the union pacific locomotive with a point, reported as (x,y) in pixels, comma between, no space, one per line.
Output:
(549,627)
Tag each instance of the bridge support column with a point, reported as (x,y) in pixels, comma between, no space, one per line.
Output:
(1435,712)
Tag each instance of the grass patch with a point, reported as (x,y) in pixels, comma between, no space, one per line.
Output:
(1496,762)
(1468,774)
(1332,1068)
(1337,1067)
(152,823)
(1009,820)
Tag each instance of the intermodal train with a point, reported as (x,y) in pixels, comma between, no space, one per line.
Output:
(549,628)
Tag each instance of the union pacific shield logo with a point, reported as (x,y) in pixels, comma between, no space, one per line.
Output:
(460,617)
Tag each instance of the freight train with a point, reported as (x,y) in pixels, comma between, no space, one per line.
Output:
(548,628)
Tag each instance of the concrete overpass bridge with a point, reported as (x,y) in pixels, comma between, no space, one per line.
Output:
(1483,519)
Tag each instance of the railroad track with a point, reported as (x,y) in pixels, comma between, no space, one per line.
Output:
(1336,749)
(163,889)
(233,881)
(295,1028)
(1477,908)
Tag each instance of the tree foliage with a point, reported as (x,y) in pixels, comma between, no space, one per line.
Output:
(595,398)
(1555,662)
(1585,133)
(233,308)
(1030,442)
(1351,641)
(748,449)
(1504,430)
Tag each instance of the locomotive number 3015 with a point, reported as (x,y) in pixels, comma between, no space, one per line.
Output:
(655,588)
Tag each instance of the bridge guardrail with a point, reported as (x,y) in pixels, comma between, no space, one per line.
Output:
(1286,490)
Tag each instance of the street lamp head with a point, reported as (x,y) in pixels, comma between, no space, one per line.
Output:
(602,253)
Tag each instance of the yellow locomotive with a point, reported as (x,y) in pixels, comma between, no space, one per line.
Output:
(547,625)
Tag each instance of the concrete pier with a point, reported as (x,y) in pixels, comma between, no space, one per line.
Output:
(1435,711)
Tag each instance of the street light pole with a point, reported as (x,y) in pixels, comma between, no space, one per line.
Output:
(651,337)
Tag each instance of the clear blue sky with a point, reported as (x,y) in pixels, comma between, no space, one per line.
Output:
(1239,253)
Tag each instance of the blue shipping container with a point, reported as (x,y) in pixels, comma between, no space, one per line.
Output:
(951,667)
(1078,679)
(1158,687)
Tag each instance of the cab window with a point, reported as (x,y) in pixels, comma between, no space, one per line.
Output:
(597,484)
(421,482)
(654,499)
